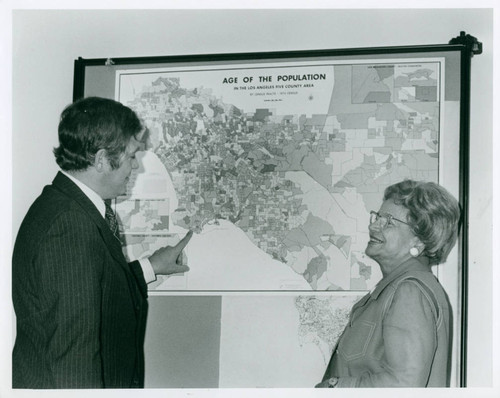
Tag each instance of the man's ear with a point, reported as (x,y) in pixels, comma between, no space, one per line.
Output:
(101,160)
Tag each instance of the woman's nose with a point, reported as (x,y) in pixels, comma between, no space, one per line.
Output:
(375,226)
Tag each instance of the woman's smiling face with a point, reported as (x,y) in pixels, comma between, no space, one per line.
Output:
(390,245)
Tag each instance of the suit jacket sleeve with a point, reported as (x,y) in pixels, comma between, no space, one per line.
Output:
(70,264)
(136,269)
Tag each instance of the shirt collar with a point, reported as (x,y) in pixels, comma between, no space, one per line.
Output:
(89,192)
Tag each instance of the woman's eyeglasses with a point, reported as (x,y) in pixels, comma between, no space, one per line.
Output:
(385,219)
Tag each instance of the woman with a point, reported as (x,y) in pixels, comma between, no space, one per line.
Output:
(398,335)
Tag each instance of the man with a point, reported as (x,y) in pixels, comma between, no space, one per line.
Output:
(80,307)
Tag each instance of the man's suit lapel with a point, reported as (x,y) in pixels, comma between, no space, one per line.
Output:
(67,186)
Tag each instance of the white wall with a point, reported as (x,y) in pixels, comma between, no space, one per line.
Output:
(46,42)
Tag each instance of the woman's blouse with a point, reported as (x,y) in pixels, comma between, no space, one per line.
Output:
(397,336)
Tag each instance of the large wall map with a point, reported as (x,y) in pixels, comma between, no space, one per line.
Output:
(276,167)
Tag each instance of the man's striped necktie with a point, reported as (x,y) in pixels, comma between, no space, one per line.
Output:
(111,220)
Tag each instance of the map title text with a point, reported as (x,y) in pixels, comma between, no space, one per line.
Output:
(279,78)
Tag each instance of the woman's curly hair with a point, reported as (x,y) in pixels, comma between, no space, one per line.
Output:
(433,215)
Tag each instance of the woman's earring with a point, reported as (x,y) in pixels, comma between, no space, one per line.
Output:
(414,252)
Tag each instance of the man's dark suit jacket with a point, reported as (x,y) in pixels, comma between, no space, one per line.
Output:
(80,307)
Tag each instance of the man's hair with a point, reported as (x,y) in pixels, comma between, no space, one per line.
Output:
(91,124)
(434,215)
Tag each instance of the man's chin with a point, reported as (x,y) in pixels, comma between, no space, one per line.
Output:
(118,194)
(123,191)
